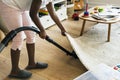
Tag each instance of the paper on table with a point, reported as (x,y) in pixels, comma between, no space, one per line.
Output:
(110,11)
(105,17)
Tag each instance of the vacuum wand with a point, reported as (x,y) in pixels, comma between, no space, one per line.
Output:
(13,33)
(56,44)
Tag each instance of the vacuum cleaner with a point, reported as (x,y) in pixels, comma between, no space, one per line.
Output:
(13,33)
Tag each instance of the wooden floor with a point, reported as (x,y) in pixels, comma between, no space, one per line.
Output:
(61,66)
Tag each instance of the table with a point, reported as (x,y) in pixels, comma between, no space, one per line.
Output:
(90,18)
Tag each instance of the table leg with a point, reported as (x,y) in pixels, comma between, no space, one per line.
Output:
(109,30)
(83,25)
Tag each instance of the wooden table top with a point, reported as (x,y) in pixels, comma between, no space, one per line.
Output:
(92,11)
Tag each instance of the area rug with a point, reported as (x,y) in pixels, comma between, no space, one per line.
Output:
(92,48)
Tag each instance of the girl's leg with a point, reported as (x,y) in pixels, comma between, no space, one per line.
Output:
(12,19)
(30,38)
(30,44)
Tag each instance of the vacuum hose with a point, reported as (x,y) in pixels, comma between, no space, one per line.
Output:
(13,33)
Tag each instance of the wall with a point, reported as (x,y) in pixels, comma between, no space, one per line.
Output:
(103,2)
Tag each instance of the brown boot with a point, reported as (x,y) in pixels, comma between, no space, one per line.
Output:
(15,55)
(31,56)
(15,71)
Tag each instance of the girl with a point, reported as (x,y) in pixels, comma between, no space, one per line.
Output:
(18,13)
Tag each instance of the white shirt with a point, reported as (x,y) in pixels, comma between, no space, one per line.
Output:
(23,4)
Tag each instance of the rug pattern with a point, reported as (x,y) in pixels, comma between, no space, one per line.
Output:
(92,48)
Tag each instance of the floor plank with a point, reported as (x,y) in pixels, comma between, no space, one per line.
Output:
(61,66)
